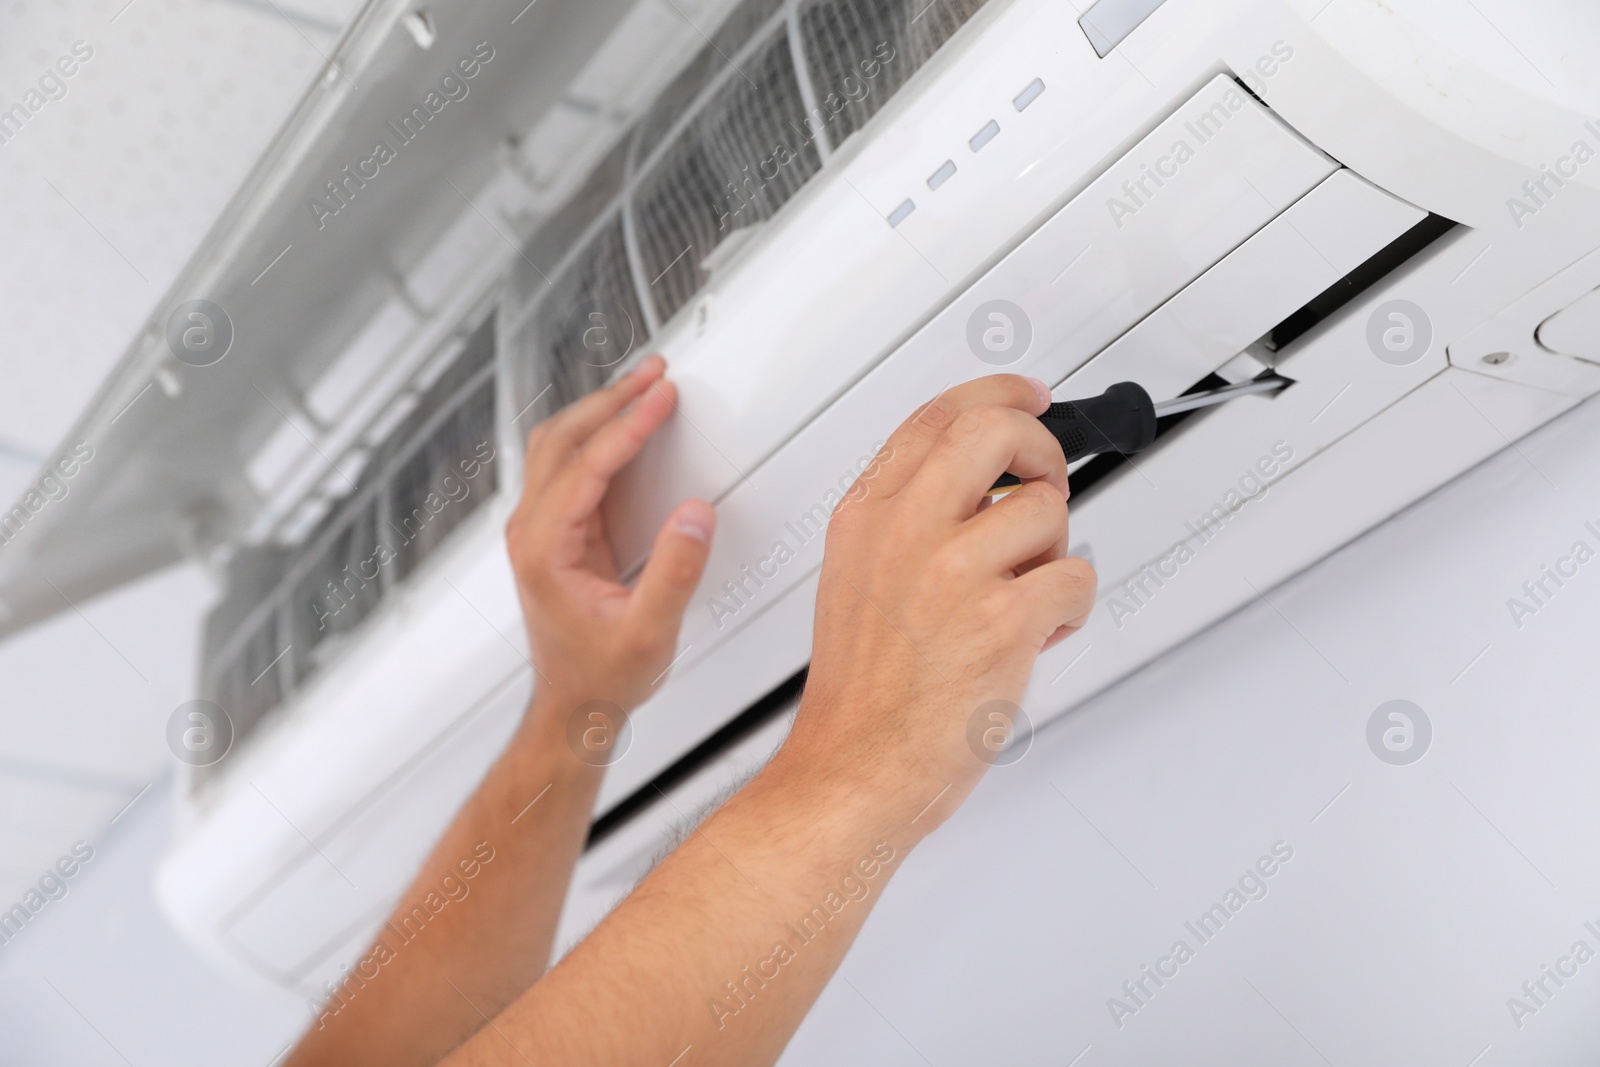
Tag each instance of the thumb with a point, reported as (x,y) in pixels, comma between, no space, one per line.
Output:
(674,568)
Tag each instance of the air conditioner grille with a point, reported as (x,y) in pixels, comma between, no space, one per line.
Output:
(749,20)
(284,606)
(248,686)
(431,494)
(724,172)
(846,42)
(703,161)
(586,321)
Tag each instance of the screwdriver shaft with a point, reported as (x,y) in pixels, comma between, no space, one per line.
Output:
(1191,401)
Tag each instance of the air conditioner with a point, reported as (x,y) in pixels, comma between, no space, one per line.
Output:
(1386,207)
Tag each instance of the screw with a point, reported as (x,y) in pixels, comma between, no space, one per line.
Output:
(1494,359)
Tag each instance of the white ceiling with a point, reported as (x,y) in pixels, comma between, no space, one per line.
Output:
(104,195)
(107,191)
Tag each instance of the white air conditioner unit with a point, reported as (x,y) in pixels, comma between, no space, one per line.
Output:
(1388,209)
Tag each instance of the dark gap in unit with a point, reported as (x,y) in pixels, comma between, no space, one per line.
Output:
(1371,271)
(1383,262)
(737,729)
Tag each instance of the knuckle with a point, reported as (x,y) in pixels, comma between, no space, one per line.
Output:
(1076,578)
(1000,618)
(936,415)
(952,564)
(1080,569)
(1042,501)
(1047,445)
(1034,509)
(979,421)
(1052,509)
(863,482)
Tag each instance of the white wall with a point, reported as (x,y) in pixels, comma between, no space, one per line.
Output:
(1414,905)
(107,191)
(84,702)
(99,978)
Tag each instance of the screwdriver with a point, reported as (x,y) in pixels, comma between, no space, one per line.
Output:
(1123,418)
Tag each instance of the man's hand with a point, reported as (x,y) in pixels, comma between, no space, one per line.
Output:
(933,602)
(590,637)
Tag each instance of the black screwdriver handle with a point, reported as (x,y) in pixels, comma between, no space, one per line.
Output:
(1121,419)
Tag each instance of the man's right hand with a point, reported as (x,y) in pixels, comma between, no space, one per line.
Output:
(934,601)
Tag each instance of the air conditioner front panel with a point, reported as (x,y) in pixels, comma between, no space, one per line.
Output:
(1081,280)
(1317,241)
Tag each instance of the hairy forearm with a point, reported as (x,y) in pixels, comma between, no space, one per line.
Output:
(477,925)
(719,953)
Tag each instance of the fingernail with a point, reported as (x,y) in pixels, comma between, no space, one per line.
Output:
(1042,389)
(697,519)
